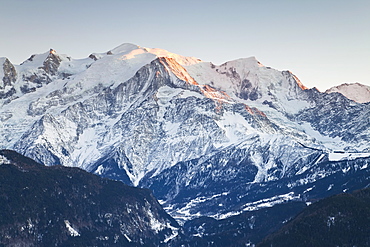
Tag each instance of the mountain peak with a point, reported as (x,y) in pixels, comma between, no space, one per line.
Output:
(246,62)
(3,59)
(124,48)
(36,60)
(132,50)
(354,91)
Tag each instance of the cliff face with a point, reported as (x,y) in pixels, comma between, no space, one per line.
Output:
(8,76)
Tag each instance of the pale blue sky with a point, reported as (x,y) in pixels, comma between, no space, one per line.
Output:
(324,43)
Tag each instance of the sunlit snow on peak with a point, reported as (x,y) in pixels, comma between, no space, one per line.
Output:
(124,48)
(52,51)
(130,50)
(354,91)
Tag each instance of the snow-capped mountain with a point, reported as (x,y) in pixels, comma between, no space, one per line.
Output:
(354,91)
(192,131)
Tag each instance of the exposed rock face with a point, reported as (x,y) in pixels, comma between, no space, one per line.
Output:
(338,117)
(51,63)
(8,76)
(45,73)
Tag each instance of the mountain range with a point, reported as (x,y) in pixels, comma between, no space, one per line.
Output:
(211,141)
(63,206)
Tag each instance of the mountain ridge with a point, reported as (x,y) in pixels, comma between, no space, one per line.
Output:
(168,123)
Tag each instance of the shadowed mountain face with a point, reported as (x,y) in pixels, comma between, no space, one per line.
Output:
(341,220)
(60,206)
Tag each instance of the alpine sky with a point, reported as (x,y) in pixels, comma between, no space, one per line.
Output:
(324,43)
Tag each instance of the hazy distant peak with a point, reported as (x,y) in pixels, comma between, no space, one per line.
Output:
(248,61)
(353,91)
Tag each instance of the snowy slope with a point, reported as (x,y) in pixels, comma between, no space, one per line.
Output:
(85,78)
(354,91)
